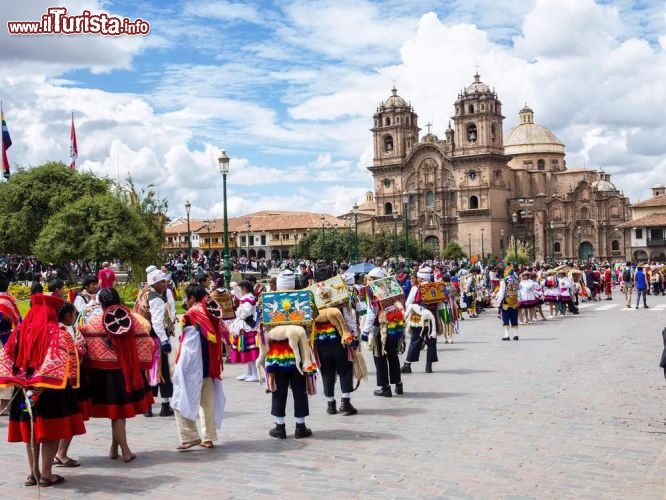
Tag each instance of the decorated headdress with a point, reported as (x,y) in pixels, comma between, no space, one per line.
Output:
(376,273)
(425,273)
(286,280)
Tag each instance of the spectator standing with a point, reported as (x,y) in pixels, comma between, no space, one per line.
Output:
(106,277)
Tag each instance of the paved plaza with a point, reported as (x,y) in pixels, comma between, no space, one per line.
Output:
(575,409)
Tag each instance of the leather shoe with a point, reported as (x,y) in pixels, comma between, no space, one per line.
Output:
(428,368)
(149,412)
(278,431)
(302,431)
(384,392)
(515,337)
(166,410)
(406,368)
(346,407)
(331,409)
(398,388)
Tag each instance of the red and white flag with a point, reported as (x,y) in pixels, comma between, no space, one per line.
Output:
(73,149)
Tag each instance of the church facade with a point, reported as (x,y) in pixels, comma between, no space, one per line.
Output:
(480,186)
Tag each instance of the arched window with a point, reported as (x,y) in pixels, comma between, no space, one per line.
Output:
(615,245)
(387,121)
(473,202)
(471,133)
(430,199)
(471,108)
(541,165)
(557,248)
(388,143)
(388,209)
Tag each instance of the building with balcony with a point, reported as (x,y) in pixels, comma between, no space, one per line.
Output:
(266,234)
(646,231)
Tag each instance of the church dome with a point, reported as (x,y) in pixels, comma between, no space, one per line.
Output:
(394,100)
(603,186)
(429,138)
(477,86)
(529,137)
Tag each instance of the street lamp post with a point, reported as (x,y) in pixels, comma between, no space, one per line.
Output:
(502,244)
(248,226)
(552,240)
(469,245)
(483,255)
(223,162)
(188,206)
(405,203)
(356,256)
(281,251)
(323,237)
(395,235)
(514,218)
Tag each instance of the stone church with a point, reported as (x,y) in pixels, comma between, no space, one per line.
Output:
(480,185)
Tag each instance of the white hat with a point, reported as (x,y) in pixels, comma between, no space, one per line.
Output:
(150,269)
(348,278)
(376,273)
(286,280)
(425,273)
(155,276)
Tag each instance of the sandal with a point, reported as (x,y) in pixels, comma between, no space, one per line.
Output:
(30,481)
(55,479)
(188,445)
(70,462)
(207,444)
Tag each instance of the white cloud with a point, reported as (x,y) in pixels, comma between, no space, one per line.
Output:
(294,105)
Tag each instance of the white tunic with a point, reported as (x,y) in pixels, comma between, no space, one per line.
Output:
(188,379)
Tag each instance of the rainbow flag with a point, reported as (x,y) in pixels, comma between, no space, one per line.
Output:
(6,144)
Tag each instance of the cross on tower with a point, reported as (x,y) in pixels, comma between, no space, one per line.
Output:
(428,125)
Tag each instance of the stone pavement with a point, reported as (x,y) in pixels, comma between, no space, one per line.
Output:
(575,409)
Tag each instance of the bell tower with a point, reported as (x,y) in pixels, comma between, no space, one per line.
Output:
(395,130)
(478,120)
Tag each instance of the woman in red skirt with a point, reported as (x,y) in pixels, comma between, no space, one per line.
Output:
(118,349)
(41,361)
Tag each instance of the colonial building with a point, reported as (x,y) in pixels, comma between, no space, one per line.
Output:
(265,234)
(646,231)
(479,185)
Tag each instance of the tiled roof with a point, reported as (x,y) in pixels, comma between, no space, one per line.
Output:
(652,220)
(264,221)
(655,201)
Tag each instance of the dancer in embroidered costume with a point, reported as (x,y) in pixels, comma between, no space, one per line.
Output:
(10,317)
(385,352)
(335,355)
(41,361)
(507,300)
(243,331)
(282,374)
(197,376)
(153,304)
(118,348)
(421,333)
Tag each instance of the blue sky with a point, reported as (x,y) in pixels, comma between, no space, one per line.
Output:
(288,88)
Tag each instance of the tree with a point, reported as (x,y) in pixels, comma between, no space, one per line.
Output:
(524,250)
(97,228)
(453,251)
(31,197)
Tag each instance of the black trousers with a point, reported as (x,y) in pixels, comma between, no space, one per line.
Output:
(166,387)
(415,343)
(388,367)
(283,380)
(333,361)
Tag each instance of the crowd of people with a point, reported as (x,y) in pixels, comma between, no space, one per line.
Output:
(91,356)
